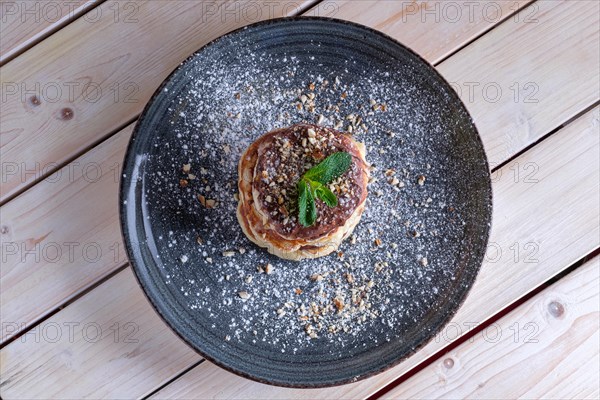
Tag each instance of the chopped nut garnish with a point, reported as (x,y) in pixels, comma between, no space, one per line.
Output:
(248,279)
(228,253)
(198,240)
(237,96)
(211,203)
(421,180)
(310,331)
(242,250)
(311,133)
(316,277)
(311,86)
(183,183)
(390,172)
(339,303)
(244,295)
(377,242)
(186,168)
(349,278)
(269,269)
(202,200)
(424,261)
(394,181)
(298,291)
(379,266)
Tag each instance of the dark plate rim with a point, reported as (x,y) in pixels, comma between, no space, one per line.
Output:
(123,210)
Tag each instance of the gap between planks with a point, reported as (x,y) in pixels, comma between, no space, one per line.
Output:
(42,62)
(346,11)
(556,332)
(308,7)
(381,393)
(67,303)
(482,293)
(546,136)
(36,13)
(153,327)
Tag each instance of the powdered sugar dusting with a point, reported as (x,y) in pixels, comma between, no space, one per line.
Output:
(405,253)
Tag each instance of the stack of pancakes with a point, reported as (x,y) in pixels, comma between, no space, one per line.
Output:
(269,171)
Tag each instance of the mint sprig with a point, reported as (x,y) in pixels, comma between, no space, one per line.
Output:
(313,184)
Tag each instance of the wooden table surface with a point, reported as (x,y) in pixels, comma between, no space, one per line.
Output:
(75,76)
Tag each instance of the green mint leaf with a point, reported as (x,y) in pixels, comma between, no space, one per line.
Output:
(302,201)
(307,211)
(311,210)
(323,193)
(313,184)
(330,168)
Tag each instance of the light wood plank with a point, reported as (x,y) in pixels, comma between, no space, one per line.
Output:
(558,215)
(62,236)
(24,23)
(529,78)
(49,284)
(557,267)
(92,78)
(435,29)
(108,344)
(538,351)
(527,201)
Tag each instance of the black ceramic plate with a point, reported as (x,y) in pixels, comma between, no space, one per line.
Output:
(193,262)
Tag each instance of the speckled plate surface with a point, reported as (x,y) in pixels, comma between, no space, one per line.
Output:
(415,253)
